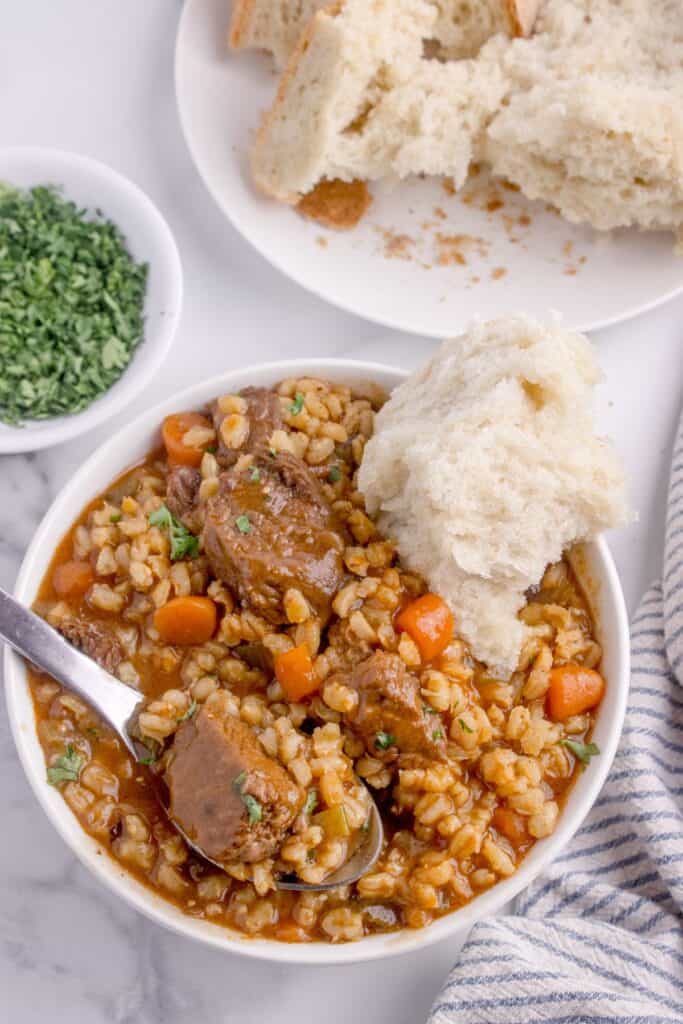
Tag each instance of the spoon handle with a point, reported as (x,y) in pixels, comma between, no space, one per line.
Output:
(33,638)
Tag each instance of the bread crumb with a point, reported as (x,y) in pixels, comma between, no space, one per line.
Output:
(322,241)
(449,186)
(336,204)
(452,250)
(498,272)
(440,213)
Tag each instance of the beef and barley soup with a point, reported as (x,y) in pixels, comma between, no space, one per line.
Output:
(286,657)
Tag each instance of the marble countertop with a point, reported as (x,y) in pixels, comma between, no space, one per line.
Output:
(97,78)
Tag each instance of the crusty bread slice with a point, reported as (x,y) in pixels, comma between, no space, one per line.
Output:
(272,25)
(359,100)
(460,29)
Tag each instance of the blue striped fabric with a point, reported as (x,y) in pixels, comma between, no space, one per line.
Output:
(599,939)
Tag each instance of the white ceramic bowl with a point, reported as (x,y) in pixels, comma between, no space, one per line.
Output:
(95,186)
(130,445)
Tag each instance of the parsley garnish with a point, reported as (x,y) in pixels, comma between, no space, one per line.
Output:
(384,740)
(584,751)
(311,801)
(464,726)
(429,710)
(297,405)
(255,474)
(183,543)
(254,809)
(243,525)
(211,449)
(437,734)
(71,304)
(147,759)
(334,475)
(115,517)
(66,768)
(192,710)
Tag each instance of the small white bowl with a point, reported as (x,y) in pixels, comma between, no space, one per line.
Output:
(93,185)
(596,570)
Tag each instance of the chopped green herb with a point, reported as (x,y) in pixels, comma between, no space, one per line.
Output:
(334,475)
(255,474)
(92,731)
(311,801)
(191,711)
(384,740)
(183,543)
(243,525)
(254,809)
(437,734)
(297,405)
(429,710)
(365,827)
(211,449)
(66,768)
(147,759)
(464,726)
(583,751)
(71,304)
(115,517)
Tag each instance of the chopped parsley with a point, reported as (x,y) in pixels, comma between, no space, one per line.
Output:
(311,801)
(243,525)
(183,543)
(148,759)
(437,734)
(464,726)
(211,449)
(297,405)
(384,740)
(429,710)
(334,475)
(254,809)
(191,711)
(71,304)
(583,751)
(66,768)
(115,517)
(255,474)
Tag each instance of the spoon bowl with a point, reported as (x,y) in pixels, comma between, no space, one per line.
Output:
(119,705)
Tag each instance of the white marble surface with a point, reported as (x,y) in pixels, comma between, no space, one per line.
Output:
(97,77)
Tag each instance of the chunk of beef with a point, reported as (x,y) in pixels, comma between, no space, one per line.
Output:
(263,412)
(95,641)
(389,703)
(227,796)
(269,528)
(182,493)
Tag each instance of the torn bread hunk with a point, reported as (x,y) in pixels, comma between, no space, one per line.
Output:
(461,27)
(359,100)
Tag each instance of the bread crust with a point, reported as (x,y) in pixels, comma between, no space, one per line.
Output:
(239,23)
(522,15)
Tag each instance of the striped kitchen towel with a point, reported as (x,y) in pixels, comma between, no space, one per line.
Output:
(599,938)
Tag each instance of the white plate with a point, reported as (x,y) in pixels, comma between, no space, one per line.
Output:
(593,280)
(95,186)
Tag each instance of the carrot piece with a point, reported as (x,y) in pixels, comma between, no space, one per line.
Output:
(333,822)
(429,621)
(295,674)
(573,689)
(186,620)
(511,825)
(173,430)
(72,579)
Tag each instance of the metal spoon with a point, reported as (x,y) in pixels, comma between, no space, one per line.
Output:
(119,704)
